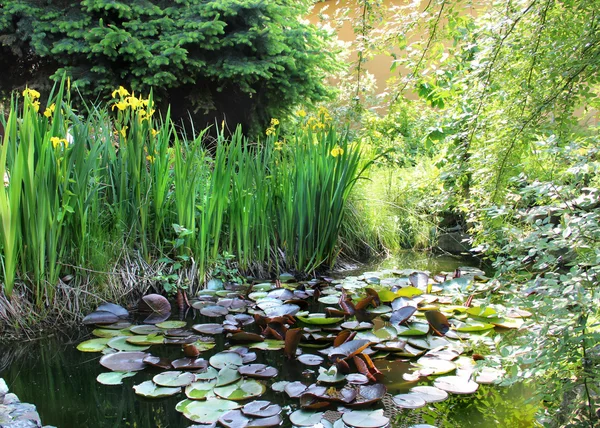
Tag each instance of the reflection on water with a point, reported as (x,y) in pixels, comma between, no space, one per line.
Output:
(61,382)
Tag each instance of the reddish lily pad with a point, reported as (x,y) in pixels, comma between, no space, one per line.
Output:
(259,371)
(124,361)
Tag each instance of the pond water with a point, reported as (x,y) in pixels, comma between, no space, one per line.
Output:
(61,381)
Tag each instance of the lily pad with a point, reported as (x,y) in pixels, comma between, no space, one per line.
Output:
(150,339)
(259,371)
(208,328)
(268,345)
(241,390)
(149,389)
(330,376)
(200,390)
(167,325)
(456,384)
(305,418)
(209,411)
(156,303)
(174,379)
(365,418)
(228,375)
(210,374)
(224,359)
(261,409)
(311,359)
(100,317)
(409,401)
(105,332)
(190,364)
(412,329)
(430,394)
(145,329)
(113,378)
(319,320)
(93,345)
(121,344)
(124,361)
(214,311)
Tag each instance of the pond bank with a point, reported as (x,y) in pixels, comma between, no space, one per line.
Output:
(14,413)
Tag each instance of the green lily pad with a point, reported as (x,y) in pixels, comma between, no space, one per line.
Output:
(224,359)
(174,379)
(268,345)
(412,329)
(145,329)
(167,325)
(105,332)
(228,375)
(150,339)
(430,394)
(241,390)
(332,299)
(209,411)
(210,374)
(200,390)
(113,378)
(304,418)
(409,401)
(183,404)
(121,344)
(409,291)
(472,326)
(319,320)
(482,312)
(151,390)
(93,345)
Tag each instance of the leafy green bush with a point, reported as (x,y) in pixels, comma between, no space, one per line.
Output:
(243,61)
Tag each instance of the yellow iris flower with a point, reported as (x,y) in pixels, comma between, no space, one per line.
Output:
(122,92)
(336,151)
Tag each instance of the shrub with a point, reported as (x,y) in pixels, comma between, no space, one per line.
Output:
(245,61)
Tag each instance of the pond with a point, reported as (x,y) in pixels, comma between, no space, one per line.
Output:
(61,381)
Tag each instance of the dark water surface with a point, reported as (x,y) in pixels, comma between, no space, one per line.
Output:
(61,381)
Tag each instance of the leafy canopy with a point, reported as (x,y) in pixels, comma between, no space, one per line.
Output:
(242,60)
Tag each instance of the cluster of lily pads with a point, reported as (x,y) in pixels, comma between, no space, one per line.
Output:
(430,321)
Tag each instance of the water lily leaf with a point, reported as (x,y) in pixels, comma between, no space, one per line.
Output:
(402,315)
(456,384)
(155,303)
(93,345)
(246,337)
(438,322)
(209,411)
(145,329)
(473,326)
(124,361)
(513,323)
(261,409)
(174,379)
(113,378)
(268,345)
(434,366)
(368,394)
(224,359)
(150,339)
(430,394)
(105,332)
(429,342)
(182,405)
(294,389)
(357,379)
(155,318)
(409,401)
(381,309)
(412,329)
(204,346)
(385,333)
(190,364)
(319,319)
(241,390)
(209,374)
(162,363)
(280,386)
(214,311)
(100,317)
(150,390)
(119,311)
(330,376)
(208,328)
(489,375)
(292,339)
(200,390)
(234,419)
(419,279)
(306,418)
(121,344)
(408,292)
(482,312)
(311,359)
(228,375)
(331,299)
(281,310)
(259,371)
(348,349)
(365,418)
(167,325)
(357,326)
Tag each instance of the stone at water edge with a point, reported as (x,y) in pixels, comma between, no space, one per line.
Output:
(3,388)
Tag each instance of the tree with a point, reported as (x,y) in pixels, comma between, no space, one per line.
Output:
(244,61)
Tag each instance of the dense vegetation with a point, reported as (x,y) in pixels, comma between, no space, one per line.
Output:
(242,61)
(502,143)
